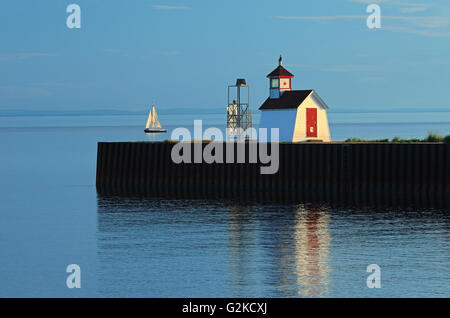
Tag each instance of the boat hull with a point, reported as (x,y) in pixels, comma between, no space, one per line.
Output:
(154,130)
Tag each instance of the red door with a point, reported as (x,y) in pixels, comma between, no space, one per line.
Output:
(311,122)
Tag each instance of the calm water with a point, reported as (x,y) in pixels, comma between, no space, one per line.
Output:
(51,217)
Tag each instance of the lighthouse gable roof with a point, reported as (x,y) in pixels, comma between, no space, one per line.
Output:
(289,99)
(280,71)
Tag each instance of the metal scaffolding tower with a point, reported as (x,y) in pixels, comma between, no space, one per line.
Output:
(239,116)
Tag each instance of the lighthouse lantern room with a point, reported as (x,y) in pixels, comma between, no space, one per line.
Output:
(280,80)
(299,115)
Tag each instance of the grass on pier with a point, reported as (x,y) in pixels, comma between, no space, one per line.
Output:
(432,137)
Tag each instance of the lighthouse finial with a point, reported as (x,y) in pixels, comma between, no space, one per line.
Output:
(280,60)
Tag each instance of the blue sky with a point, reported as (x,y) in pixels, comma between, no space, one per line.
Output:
(183,54)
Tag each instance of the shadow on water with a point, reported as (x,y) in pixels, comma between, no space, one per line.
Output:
(191,247)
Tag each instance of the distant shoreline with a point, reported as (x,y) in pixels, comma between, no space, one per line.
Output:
(180,111)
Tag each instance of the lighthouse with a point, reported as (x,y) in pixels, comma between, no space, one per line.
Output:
(300,115)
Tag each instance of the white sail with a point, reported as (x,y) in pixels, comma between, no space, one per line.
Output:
(156,123)
(149,120)
(152,121)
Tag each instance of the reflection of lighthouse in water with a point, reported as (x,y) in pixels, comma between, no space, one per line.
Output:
(312,242)
(278,249)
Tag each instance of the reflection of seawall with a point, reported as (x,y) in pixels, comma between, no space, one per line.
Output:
(238,249)
(369,173)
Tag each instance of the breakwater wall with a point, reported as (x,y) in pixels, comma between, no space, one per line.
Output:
(394,174)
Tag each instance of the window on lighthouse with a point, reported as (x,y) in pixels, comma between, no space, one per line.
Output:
(274,83)
(284,83)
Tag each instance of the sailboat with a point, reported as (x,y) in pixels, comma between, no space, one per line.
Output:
(153,125)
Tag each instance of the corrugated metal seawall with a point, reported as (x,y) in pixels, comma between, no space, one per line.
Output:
(361,173)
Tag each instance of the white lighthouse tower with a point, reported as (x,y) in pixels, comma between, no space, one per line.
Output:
(300,115)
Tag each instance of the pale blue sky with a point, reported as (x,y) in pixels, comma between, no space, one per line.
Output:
(185,53)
